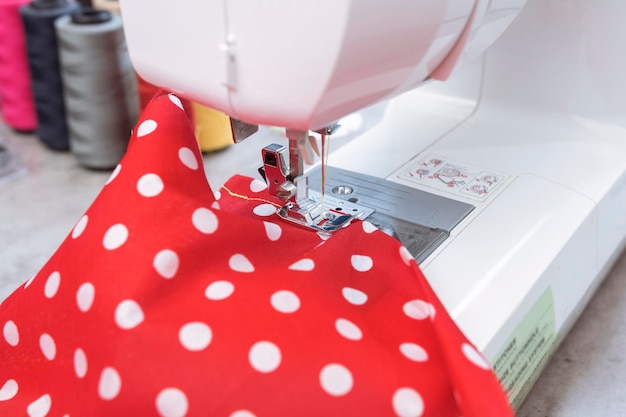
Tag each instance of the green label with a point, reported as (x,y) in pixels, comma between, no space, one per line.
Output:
(527,350)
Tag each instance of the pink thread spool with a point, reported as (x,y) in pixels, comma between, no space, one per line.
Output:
(16,96)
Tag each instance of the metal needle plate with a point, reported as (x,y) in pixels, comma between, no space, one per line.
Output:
(421,221)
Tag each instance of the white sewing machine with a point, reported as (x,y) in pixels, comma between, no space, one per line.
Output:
(507,181)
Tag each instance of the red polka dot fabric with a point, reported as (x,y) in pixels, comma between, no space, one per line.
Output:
(163,301)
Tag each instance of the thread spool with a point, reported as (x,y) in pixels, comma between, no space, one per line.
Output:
(101,103)
(16,95)
(38,18)
(212,128)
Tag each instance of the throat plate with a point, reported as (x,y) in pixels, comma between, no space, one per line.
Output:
(421,221)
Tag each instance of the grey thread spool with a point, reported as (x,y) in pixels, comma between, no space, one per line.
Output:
(99,87)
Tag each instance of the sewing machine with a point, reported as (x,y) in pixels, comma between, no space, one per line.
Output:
(507,182)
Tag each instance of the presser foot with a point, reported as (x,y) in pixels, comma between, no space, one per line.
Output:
(323,217)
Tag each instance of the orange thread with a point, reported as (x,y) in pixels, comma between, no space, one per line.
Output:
(245,197)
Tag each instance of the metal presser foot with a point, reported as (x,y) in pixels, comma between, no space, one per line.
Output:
(303,207)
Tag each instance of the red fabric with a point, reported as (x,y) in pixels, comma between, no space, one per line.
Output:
(164,301)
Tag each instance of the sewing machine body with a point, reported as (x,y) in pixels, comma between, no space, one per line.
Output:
(302,65)
(533,138)
(537,134)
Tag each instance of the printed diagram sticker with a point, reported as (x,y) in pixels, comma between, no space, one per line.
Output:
(453,177)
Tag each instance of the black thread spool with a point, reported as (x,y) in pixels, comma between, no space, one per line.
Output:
(41,43)
(100,98)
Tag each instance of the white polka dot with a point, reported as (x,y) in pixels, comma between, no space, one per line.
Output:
(172,402)
(273,231)
(40,407)
(114,174)
(115,237)
(52,284)
(354,296)
(80,227)
(188,158)
(305,265)
(285,301)
(368,227)
(48,347)
(9,390)
(414,352)
(110,384)
(30,281)
(361,263)
(128,314)
(195,336)
(11,334)
(80,363)
(166,263)
(85,296)
(406,255)
(146,127)
(217,194)
(348,329)
(240,263)
(176,101)
(256,186)
(204,220)
(242,413)
(264,357)
(432,311)
(264,210)
(417,309)
(474,356)
(215,205)
(407,403)
(336,379)
(150,185)
(219,290)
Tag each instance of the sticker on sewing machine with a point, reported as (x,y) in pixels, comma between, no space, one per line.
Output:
(453,177)
(527,350)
